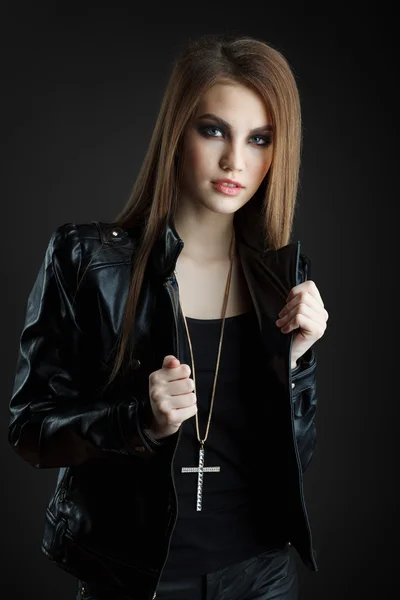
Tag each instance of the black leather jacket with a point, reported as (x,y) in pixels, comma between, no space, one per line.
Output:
(113,511)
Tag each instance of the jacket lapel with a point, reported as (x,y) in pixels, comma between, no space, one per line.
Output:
(270,275)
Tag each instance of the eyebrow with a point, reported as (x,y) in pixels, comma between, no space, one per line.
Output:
(225,124)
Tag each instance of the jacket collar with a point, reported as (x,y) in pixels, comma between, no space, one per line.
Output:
(258,260)
(270,275)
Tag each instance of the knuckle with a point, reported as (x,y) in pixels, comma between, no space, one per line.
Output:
(172,419)
(157,395)
(163,406)
(155,377)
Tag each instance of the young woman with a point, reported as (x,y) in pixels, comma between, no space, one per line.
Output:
(167,361)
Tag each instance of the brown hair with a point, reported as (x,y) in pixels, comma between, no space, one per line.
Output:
(203,63)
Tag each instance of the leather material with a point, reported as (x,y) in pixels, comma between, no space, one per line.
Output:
(270,575)
(114,507)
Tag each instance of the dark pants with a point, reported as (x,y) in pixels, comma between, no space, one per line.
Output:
(271,575)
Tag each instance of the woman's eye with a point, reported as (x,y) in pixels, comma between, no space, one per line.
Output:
(206,131)
(210,128)
(266,140)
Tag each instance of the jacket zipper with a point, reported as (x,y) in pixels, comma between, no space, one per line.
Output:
(300,472)
(63,487)
(63,492)
(300,475)
(171,293)
(303,372)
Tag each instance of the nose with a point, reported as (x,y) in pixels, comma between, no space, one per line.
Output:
(232,158)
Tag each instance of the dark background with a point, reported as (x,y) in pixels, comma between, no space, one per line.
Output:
(80,96)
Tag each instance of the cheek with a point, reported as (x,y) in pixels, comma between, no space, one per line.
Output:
(198,160)
(261,167)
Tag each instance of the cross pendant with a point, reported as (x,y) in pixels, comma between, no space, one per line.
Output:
(200,470)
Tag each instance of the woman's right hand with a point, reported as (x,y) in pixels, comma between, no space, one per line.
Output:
(171,397)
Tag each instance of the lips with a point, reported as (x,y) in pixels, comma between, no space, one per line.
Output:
(228,190)
(230,182)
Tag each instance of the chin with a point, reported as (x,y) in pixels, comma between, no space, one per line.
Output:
(225,205)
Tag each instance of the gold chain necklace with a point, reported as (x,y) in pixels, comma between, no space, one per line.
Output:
(201,469)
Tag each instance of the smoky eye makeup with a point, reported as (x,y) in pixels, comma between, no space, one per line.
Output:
(205,131)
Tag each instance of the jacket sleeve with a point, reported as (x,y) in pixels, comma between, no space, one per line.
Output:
(53,422)
(304,390)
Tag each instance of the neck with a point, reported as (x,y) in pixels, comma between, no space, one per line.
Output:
(207,235)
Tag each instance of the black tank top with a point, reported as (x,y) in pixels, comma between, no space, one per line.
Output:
(227,529)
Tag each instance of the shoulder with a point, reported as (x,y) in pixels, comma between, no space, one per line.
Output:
(93,243)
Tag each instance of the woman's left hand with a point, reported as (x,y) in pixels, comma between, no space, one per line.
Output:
(304,310)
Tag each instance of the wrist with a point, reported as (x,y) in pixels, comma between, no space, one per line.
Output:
(152,434)
(154,443)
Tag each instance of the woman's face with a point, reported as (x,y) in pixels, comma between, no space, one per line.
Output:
(238,137)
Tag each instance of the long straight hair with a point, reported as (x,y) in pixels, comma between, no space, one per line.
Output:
(203,63)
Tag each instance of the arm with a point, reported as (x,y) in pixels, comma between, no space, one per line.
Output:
(53,422)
